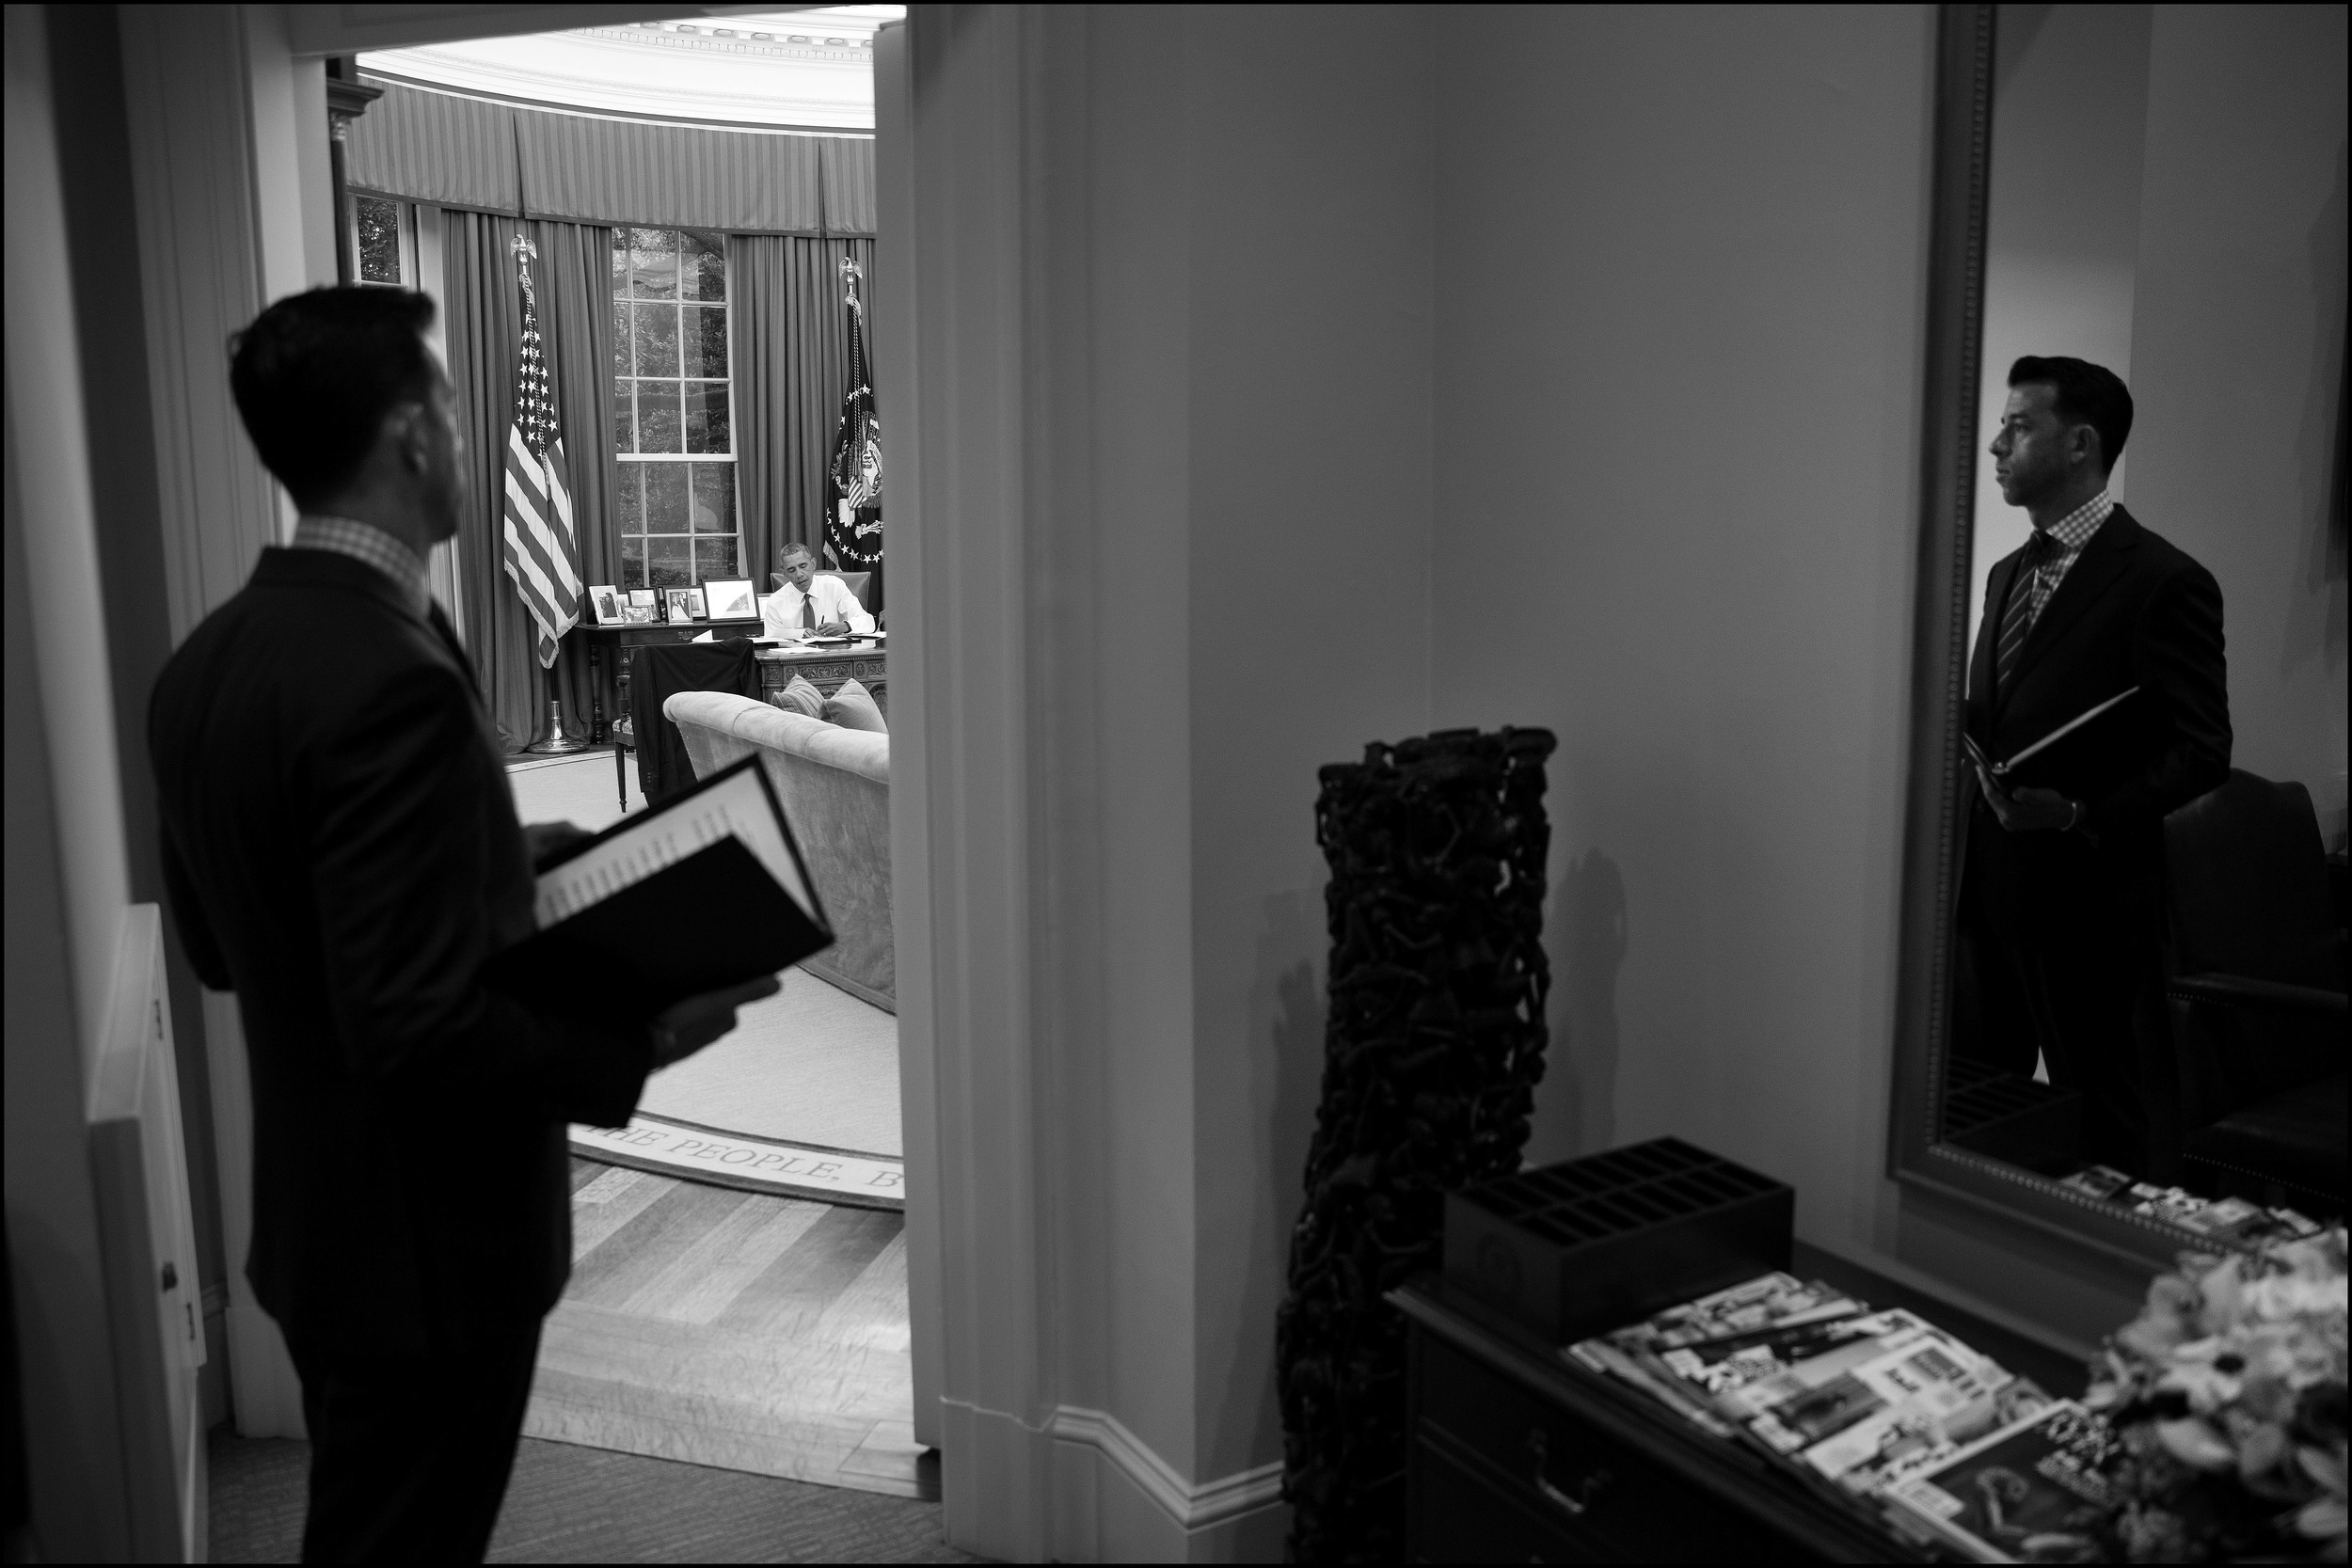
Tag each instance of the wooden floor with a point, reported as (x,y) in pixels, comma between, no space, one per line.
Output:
(733,1329)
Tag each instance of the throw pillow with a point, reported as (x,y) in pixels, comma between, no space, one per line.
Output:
(853,708)
(801,698)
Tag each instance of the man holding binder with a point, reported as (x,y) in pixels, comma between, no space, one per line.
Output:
(2098,702)
(341,849)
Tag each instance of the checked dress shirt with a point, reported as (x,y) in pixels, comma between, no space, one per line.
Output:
(2048,558)
(366,542)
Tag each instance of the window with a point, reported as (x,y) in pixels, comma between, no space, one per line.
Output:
(383,236)
(676,506)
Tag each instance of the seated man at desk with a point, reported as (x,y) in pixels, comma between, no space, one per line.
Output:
(810,603)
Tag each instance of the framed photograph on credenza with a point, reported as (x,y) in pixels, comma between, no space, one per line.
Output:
(608,602)
(678,605)
(732,599)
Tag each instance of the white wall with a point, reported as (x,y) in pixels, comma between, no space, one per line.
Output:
(68,877)
(1310,224)
(1681,259)
(2237,348)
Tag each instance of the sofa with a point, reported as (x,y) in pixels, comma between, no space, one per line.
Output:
(834,785)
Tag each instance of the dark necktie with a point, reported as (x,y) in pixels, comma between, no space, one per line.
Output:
(2017,617)
(809,608)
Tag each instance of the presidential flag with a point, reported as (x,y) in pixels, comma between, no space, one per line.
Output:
(542,546)
(853,527)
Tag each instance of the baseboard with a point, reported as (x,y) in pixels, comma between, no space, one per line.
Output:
(1107,1496)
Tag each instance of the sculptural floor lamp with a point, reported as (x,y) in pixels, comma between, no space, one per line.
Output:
(1434,1046)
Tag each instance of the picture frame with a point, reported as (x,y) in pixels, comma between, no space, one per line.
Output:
(643,596)
(696,605)
(606,600)
(677,605)
(637,614)
(732,599)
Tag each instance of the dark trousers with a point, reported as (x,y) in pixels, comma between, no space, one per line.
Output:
(2057,953)
(409,1458)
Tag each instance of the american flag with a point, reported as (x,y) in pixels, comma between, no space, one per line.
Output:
(854,535)
(542,546)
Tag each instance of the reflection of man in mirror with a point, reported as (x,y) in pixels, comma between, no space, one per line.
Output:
(2060,918)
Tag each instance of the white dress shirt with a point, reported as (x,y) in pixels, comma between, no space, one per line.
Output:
(780,611)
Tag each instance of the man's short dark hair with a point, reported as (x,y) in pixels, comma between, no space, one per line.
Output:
(796,548)
(2083,393)
(316,373)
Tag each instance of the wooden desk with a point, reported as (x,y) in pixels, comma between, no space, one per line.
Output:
(825,668)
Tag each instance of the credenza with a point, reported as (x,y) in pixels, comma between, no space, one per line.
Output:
(1520,1455)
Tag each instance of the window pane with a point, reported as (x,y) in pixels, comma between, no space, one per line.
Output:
(633,562)
(714,558)
(620,336)
(666,497)
(703,265)
(658,417)
(714,498)
(653,263)
(706,416)
(620,261)
(624,416)
(705,340)
(379,239)
(671,561)
(657,338)
(628,513)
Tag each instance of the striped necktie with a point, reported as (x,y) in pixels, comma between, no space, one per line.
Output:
(809,608)
(2018,615)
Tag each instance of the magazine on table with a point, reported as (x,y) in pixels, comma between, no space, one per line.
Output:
(1767,1302)
(2031,1491)
(1864,1420)
(1849,1398)
(702,892)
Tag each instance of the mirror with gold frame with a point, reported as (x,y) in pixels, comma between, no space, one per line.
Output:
(2123,998)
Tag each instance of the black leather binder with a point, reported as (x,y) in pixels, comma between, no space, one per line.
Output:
(713,917)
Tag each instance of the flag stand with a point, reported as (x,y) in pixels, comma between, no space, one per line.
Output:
(552,738)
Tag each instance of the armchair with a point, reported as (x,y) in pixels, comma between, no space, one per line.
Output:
(2255,996)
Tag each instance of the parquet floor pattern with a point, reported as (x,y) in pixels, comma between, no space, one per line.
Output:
(733,1329)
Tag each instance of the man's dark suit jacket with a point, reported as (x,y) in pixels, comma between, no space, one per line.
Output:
(2132,611)
(340,848)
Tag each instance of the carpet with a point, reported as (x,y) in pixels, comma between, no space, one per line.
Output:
(808,1076)
(811,1065)
(577,789)
(570,1504)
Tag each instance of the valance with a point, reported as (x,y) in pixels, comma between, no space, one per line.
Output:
(459,151)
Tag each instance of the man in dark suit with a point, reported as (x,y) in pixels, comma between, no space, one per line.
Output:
(2061,913)
(341,848)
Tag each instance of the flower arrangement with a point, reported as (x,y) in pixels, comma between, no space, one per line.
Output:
(2228,1394)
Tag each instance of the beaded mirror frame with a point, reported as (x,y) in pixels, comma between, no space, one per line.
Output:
(1939,666)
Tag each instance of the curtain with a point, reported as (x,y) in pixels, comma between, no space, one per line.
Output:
(460,151)
(573,276)
(792,363)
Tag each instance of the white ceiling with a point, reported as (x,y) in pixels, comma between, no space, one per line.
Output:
(810,69)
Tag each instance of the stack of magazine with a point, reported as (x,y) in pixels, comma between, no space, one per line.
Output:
(1879,1408)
